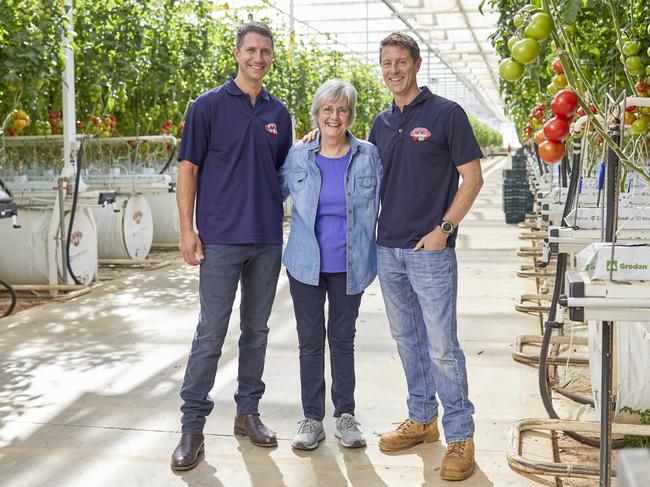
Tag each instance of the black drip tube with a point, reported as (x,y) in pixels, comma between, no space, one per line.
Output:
(75,197)
(169,161)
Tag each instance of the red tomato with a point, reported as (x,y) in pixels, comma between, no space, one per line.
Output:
(581,112)
(551,152)
(564,104)
(557,66)
(639,86)
(556,129)
(630,108)
(539,137)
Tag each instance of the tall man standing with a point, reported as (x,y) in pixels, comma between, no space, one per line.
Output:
(425,142)
(236,137)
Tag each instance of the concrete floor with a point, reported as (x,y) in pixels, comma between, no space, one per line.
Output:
(89,388)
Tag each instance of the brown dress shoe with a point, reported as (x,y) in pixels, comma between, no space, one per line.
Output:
(458,463)
(186,454)
(409,434)
(251,425)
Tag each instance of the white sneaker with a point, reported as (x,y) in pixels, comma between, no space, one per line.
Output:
(348,433)
(310,433)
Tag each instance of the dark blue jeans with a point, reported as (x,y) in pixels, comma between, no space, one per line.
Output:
(309,308)
(257,267)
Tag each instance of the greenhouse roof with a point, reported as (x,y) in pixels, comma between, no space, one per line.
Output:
(458,60)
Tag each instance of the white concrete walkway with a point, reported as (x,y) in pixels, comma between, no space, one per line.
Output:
(89,388)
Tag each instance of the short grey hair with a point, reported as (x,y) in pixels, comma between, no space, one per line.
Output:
(334,89)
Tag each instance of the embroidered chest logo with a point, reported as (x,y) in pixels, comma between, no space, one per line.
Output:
(419,134)
(271,128)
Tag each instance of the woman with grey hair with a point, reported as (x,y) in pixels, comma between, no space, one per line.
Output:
(334,183)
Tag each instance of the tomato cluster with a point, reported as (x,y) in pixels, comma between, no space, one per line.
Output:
(524,44)
(550,140)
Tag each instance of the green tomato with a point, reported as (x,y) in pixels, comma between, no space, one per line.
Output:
(525,51)
(518,20)
(510,70)
(648,52)
(639,126)
(540,26)
(560,80)
(511,42)
(94,92)
(634,63)
(552,88)
(631,48)
(647,70)
(621,41)
(570,29)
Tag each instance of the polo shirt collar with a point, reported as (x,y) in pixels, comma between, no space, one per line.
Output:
(423,96)
(233,89)
(314,145)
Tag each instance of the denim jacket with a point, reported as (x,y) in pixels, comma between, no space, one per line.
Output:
(301,179)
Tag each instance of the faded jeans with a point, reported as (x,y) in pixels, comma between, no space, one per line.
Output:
(419,290)
(258,268)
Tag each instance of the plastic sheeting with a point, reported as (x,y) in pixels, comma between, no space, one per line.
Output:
(631,363)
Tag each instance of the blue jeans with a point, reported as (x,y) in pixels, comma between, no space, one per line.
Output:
(224,266)
(419,290)
(309,308)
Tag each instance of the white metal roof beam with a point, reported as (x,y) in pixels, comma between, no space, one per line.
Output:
(464,14)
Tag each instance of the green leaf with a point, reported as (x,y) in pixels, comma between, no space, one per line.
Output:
(570,9)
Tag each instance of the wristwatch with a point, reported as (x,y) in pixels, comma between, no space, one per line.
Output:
(447,227)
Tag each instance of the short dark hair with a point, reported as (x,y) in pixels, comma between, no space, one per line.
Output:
(401,40)
(257,27)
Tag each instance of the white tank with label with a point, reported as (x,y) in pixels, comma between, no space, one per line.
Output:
(127,233)
(31,254)
(166,229)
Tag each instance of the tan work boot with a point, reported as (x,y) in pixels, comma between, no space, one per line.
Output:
(408,434)
(458,463)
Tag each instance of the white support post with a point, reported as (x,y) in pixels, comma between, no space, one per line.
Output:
(69,109)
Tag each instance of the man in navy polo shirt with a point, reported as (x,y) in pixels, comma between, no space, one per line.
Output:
(425,142)
(236,138)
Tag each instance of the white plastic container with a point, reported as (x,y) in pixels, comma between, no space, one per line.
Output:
(126,234)
(166,225)
(32,254)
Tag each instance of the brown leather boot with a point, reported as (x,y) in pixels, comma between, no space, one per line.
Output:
(251,425)
(409,434)
(458,463)
(186,455)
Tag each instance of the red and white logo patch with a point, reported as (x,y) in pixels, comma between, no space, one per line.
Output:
(419,134)
(271,128)
(76,237)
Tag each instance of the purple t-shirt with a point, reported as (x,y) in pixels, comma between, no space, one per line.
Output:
(238,148)
(331,217)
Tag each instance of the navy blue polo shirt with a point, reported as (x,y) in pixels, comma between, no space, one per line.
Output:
(420,149)
(238,148)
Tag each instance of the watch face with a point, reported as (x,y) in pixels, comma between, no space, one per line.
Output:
(447,227)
